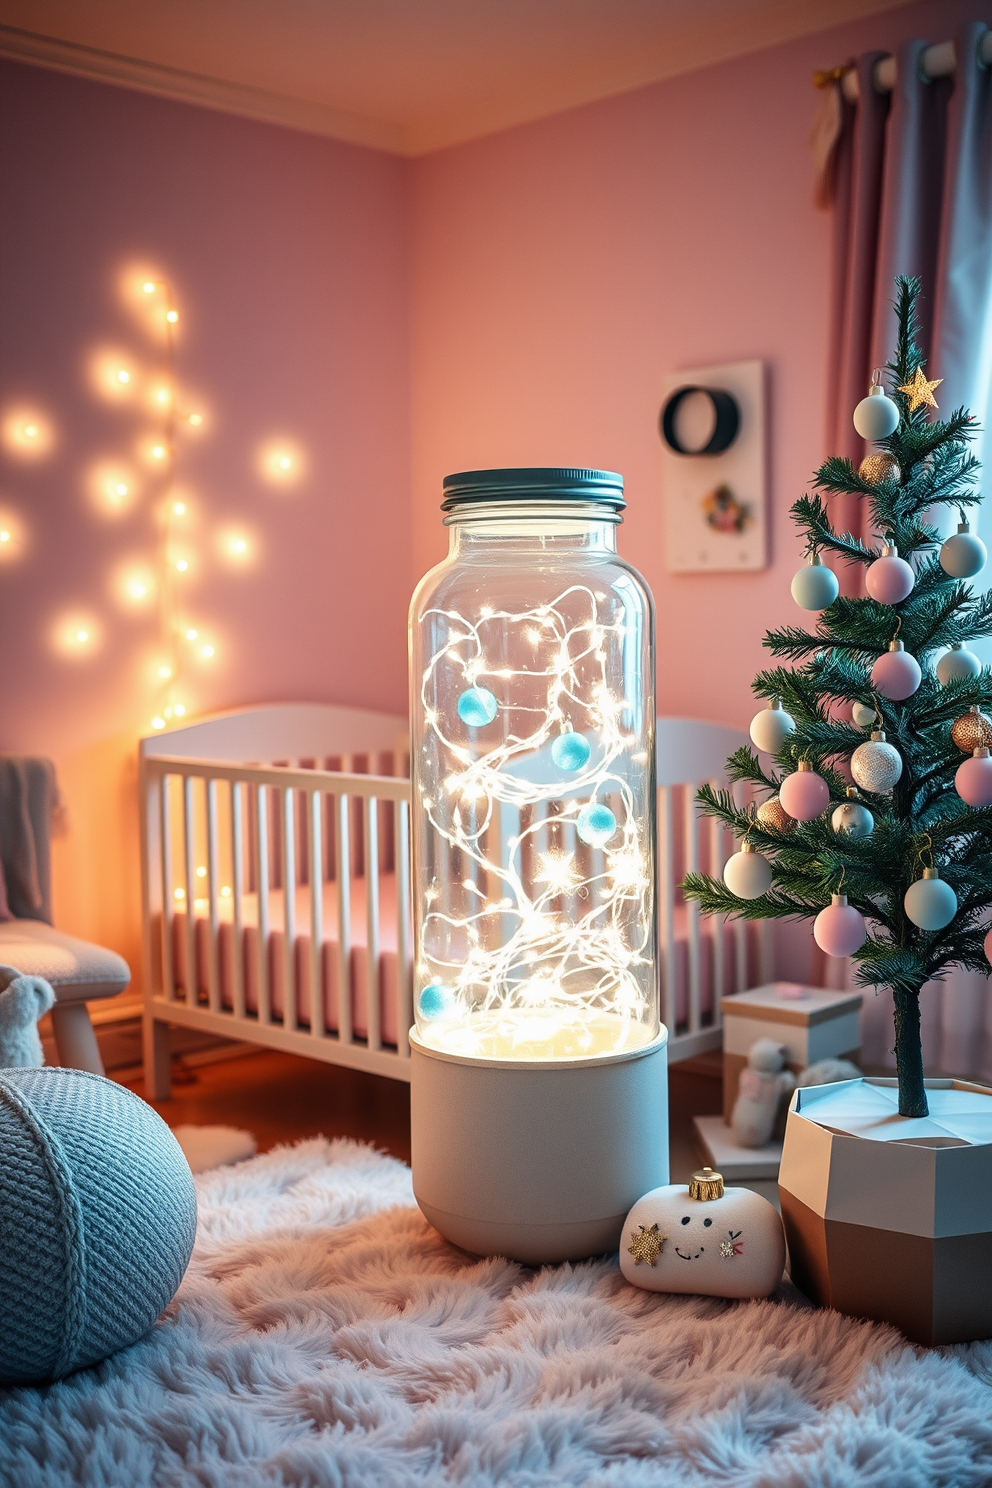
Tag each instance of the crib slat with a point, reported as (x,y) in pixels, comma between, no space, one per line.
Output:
(168,898)
(372,919)
(404,949)
(316,874)
(213,960)
(262,871)
(717,922)
(290,1013)
(189,857)
(692,912)
(666,907)
(344,920)
(237,889)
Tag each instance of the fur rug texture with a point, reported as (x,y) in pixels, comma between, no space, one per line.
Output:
(325,1335)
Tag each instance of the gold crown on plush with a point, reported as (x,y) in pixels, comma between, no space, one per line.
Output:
(706,1185)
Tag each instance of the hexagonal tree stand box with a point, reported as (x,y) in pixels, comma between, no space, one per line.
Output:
(890,1217)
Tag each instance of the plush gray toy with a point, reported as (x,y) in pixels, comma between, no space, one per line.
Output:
(23,1000)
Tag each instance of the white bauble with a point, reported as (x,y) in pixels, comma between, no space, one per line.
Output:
(957,664)
(851,818)
(877,416)
(771,727)
(815,586)
(963,554)
(747,874)
(864,717)
(876,765)
(930,902)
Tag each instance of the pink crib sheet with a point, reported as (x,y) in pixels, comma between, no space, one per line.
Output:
(358,967)
(389,969)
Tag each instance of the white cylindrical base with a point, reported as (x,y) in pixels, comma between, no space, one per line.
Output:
(538,1162)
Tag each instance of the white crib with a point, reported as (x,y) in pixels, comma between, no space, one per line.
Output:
(244,813)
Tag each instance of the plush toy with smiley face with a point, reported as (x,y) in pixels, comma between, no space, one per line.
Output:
(704,1238)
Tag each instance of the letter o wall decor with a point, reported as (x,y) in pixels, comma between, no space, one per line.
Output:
(726,420)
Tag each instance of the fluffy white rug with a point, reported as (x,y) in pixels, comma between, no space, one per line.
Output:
(206,1147)
(326,1336)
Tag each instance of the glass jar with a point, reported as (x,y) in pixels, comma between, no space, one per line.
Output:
(533,772)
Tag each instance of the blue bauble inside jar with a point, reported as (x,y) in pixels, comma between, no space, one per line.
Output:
(570,752)
(477,706)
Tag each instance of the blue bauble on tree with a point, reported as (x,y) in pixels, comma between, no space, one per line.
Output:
(815,586)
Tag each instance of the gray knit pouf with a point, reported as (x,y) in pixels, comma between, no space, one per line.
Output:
(97,1220)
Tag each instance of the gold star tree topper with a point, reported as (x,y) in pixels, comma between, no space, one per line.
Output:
(646,1244)
(918,390)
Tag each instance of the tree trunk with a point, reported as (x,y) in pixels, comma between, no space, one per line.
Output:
(909,1055)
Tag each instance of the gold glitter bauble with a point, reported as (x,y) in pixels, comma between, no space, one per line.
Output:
(876,468)
(646,1244)
(773,815)
(972,731)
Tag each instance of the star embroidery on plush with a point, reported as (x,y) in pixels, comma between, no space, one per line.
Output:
(918,390)
(647,1244)
(732,1246)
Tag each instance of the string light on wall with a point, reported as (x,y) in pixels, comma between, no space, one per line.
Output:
(27,434)
(280,462)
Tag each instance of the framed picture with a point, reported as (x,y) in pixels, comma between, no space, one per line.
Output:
(712,430)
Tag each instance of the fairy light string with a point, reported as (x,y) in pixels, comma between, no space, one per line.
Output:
(539,937)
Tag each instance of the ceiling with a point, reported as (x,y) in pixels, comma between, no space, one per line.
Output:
(403,75)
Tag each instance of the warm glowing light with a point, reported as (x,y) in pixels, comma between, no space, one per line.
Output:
(11,536)
(176,893)
(191,634)
(159,452)
(182,565)
(179,709)
(111,488)
(226,891)
(236,546)
(163,396)
(123,375)
(281,462)
(196,419)
(201,872)
(26,434)
(148,287)
(165,672)
(172,316)
(76,635)
(207,651)
(179,508)
(544,941)
(134,585)
(159,723)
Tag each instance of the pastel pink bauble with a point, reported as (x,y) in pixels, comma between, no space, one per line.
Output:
(973,781)
(840,929)
(889,579)
(988,947)
(896,674)
(804,795)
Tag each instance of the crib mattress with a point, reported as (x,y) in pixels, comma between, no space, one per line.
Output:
(387,990)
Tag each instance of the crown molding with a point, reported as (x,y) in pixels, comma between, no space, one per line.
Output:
(193,87)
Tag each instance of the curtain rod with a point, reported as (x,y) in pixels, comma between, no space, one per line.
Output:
(937,61)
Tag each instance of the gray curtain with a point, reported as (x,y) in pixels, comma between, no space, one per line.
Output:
(913,195)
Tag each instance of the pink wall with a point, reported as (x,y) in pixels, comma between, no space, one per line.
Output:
(289,255)
(562,268)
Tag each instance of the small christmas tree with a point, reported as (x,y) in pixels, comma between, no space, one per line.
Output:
(899,873)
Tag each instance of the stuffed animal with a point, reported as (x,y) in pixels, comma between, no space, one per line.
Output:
(828,1072)
(23,1000)
(762,1086)
(704,1238)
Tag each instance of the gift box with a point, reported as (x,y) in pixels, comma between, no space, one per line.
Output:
(810,1022)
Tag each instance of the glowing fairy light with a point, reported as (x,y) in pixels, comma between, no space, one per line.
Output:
(26,435)
(280,462)
(548,924)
